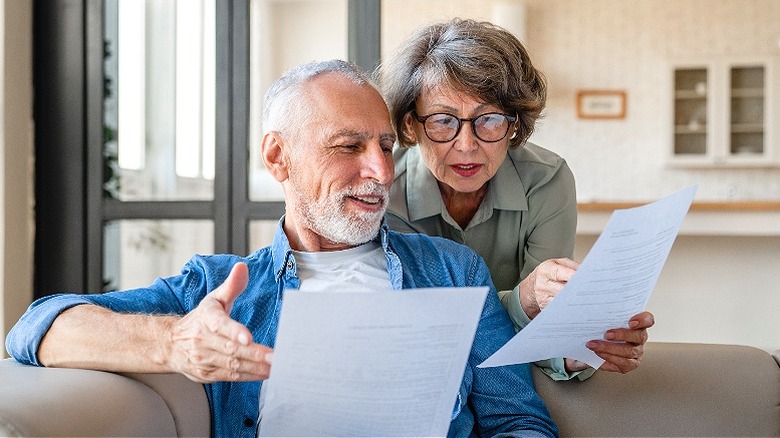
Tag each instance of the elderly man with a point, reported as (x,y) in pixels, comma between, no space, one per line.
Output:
(328,141)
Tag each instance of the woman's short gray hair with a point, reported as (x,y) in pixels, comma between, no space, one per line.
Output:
(282,110)
(479,58)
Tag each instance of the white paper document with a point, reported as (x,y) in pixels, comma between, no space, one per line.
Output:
(386,363)
(613,283)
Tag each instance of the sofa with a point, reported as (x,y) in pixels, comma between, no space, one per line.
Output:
(680,390)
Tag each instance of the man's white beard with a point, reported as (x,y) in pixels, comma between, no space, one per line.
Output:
(327,217)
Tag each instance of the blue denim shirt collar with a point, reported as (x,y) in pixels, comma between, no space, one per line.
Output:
(281,253)
(284,261)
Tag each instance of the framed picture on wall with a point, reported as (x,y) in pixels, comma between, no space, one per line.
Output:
(601,104)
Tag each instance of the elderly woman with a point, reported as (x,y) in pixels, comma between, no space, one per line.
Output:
(464,98)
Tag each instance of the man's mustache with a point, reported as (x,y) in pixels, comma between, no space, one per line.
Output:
(368,189)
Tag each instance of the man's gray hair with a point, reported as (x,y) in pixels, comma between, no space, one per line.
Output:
(282,109)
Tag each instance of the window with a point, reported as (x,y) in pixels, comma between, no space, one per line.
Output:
(159,119)
(148,124)
(159,110)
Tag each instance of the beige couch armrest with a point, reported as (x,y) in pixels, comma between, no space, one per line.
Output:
(679,390)
(71,402)
(186,401)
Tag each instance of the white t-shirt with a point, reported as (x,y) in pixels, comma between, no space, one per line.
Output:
(359,269)
(356,269)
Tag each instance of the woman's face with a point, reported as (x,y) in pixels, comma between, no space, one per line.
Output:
(465,163)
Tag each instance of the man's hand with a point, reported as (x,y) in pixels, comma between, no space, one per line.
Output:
(544,283)
(208,346)
(622,348)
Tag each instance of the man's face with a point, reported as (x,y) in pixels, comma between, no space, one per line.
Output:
(341,165)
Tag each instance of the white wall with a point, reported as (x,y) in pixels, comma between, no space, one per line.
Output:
(16,162)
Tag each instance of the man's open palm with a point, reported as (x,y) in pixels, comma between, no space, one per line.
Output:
(208,346)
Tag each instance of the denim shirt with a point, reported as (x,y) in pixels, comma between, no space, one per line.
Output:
(491,401)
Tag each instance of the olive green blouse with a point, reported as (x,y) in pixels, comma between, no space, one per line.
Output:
(529,215)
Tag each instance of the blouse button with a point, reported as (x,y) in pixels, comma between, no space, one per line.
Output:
(248,422)
(289,264)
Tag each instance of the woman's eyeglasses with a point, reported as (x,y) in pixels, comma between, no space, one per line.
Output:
(488,127)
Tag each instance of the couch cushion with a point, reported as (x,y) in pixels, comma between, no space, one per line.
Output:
(679,390)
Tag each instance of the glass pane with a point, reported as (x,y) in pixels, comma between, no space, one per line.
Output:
(690,111)
(691,81)
(136,252)
(687,143)
(261,233)
(747,143)
(749,78)
(159,99)
(747,110)
(284,34)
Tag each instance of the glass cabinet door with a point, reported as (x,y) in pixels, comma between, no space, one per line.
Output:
(690,111)
(747,91)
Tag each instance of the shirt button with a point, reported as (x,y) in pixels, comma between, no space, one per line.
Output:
(289,264)
(248,422)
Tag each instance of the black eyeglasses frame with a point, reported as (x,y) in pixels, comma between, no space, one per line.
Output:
(422,119)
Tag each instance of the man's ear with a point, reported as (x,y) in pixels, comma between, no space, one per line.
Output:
(275,156)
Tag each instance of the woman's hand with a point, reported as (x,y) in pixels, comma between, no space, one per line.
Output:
(623,348)
(544,283)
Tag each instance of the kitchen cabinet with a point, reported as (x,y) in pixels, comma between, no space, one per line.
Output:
(722,112)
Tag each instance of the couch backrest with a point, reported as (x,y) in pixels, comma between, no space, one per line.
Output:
(71,402)
(679,390)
